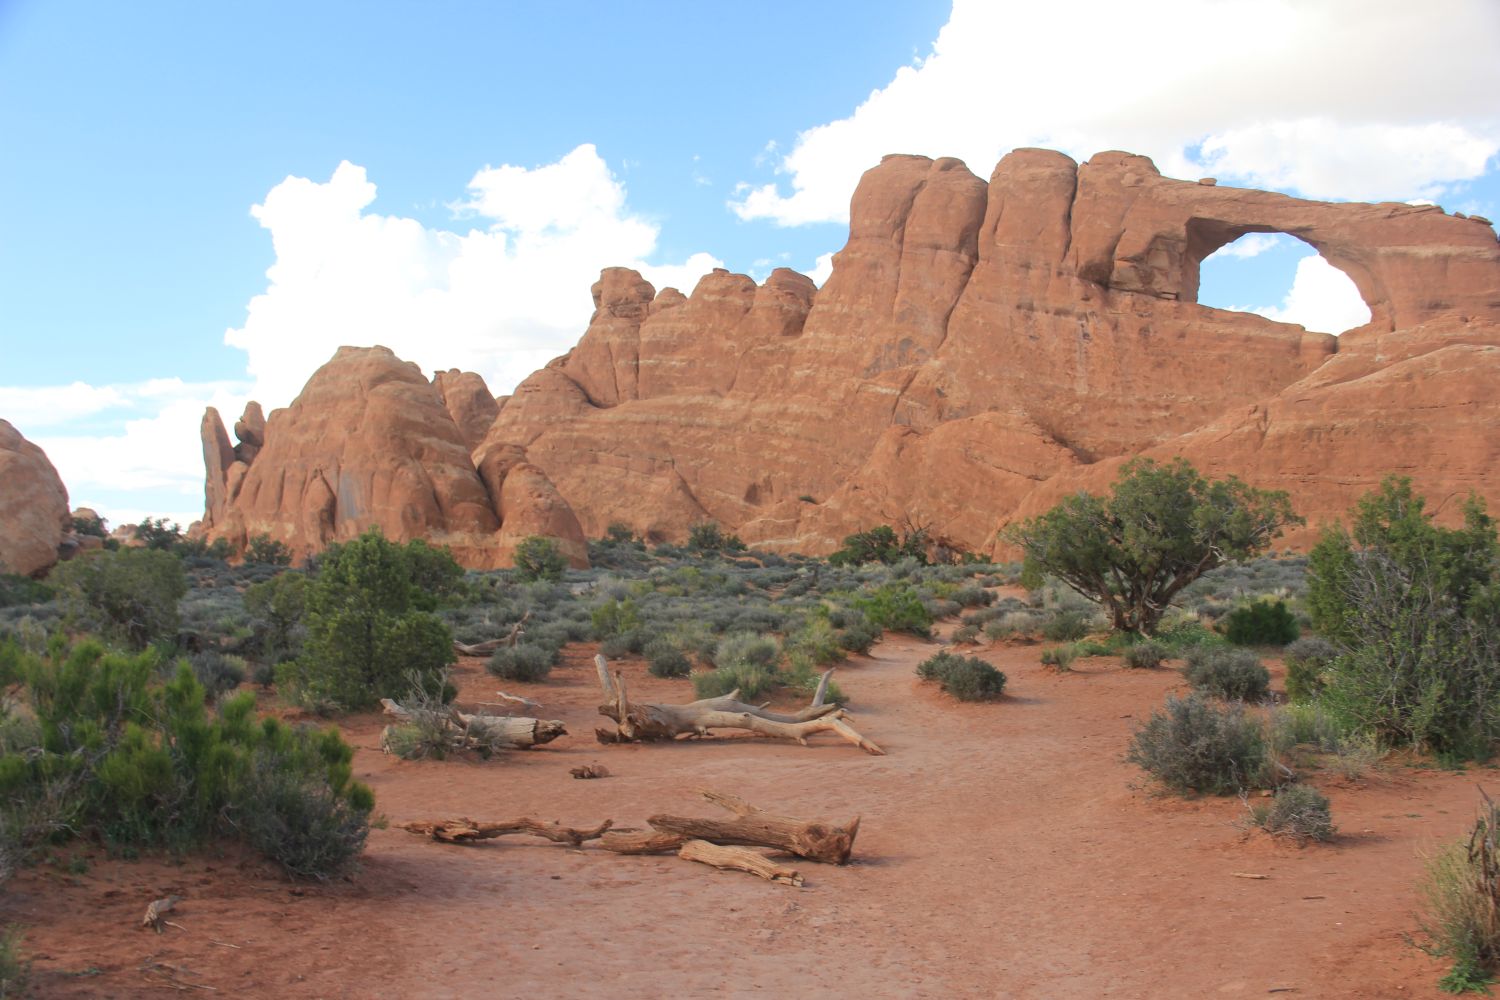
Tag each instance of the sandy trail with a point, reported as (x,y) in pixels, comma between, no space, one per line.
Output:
(1006,850)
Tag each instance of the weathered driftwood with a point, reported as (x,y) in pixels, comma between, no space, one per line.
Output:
(515,731)
(817,841)
(590,771)
(641,841)
(466,831)
(487,647)
(157,910)
(509,701)
(636,722)
(738,859)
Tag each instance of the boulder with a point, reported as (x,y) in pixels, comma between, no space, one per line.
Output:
(34,516)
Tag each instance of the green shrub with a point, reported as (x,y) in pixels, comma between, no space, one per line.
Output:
(15,971)
(664,658)
(1415,612)
(1146,655)
(131,594)
(310,828)
(859,636)
(216,672)
(263,550)
(623,644)
(817,640)
(751,680)
(277,608)
(1227,673)
(1461,904)
(364,629)
(1066,626)
(707,536)
(1264,623)
(16,591)
(1193,745)
(1059,658)
(966,678)
(1305,660)
(896,607)
(880,545)
(523,662)
(972,597)
(1297,812)
(538,558)
(966,635)
(613,617)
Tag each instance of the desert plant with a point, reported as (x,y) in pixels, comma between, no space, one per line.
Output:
(1461,902)
(277,608)
(538,558)
(1305,660)
(217,672)
(665,658)
(264,550)
(1296,812)
(364,629)
(749,679)
(880,545)
(896,607)
(1193,745)
(131,594)
(1060,658)
(966,635)
(1162,527)
(966,678)
(707,536)
(528,662)
(1227,673)
(1145,655)
(1066,626)
(15,970)
(1262,623)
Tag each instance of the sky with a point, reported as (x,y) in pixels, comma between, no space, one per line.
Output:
(199,202)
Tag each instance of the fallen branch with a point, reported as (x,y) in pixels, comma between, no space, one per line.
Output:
(738,859)
(649,722)
(590,771)
(156,912)
(466,831)
(817,841)
(490,645)
(478,731)
(641,841)
(511,700)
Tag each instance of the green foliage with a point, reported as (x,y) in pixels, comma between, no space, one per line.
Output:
(1414,610)
(1066,626)
(1461,904)
(1193,745)
(264,550)
(1225,672)
(86,525)
(1305,660)
(118,754)
(1262,623)
(859,635)
(966,635)
(1297,812)
(15,971)
(744,661)
(364,629)
(1162,527)
(665,658)
(217,672)
(1059,658)
(131,594)
(817,641)
(615,617)
(523,662)
(880,545)
(1146,655)
(155,533)
(707,536)
(967,678)
(538,558)
(277,608)
(16,591)
(896,607)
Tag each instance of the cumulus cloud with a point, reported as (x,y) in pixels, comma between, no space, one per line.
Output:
(1362,99)
(51,405)
(502,298)
(822,269)
(1252,245)
(1321,298)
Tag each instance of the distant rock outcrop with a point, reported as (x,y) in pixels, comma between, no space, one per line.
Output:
(35,525)
(369,443)
(981,348)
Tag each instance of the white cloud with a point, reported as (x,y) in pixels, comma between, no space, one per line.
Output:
(822,269)
(1252,245)
(51,405)
(1359,99)
(501,300)
(1321,298)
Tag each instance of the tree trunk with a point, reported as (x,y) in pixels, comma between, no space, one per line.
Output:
(513,731)
(817,841)
(738,859)
(647,722)
(466,831)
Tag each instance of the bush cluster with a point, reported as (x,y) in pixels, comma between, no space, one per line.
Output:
(896,607)
(131,594)
(1297,812)
(1262,623)
(1194,745)
(1225,672)
(1146,655)
(1305,660)
(967,678)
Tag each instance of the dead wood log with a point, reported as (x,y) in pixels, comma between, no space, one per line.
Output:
(474,731)
(466,831)
(637,722)
(831,843)
(487,647)
(641,841)
(156,912)
(590,771)
(738,859)
(512,700)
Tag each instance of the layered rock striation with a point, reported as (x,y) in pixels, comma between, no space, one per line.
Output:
(980,349)
(36,528)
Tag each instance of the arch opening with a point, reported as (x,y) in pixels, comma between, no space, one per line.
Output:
(1258,270)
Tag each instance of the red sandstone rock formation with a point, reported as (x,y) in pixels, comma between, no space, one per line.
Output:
(982,348)
(370,443)
(34,518)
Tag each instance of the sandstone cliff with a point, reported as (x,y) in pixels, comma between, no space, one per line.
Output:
(34,519)
(980,349)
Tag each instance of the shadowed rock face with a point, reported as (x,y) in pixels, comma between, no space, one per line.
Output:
(370,443)
(34,518)
(982,348)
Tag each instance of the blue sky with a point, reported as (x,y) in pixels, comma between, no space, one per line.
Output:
(198,202)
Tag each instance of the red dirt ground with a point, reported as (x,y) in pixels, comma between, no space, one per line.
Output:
(1006,850)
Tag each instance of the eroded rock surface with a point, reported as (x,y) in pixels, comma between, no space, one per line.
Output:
(34,518)
(982,347)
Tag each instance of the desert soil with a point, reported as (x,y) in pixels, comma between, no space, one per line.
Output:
(1006,850)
